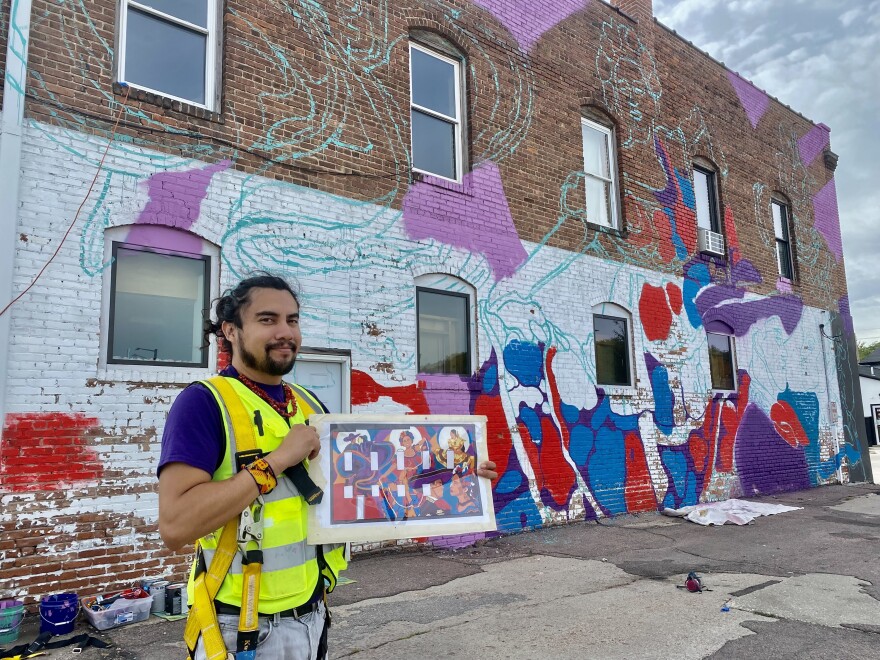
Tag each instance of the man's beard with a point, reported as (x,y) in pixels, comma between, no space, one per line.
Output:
(266,364)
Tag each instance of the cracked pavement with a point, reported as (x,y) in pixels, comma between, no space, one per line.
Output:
(803,584)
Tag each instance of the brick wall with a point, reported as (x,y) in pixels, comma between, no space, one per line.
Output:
(305,169)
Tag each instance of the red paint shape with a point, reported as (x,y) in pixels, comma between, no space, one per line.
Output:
(639,489)
(532,451)
(686,223)
(664,227)
(726,438)
(639,230)
(673,293)
(788,425)
(556,474)
(699,452)
(365,390)
(655,313)
(499,440)
(48,451)
(730,233)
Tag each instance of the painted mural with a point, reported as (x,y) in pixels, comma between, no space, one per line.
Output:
(567,448)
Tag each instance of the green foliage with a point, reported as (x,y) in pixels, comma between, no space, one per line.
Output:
(865,349)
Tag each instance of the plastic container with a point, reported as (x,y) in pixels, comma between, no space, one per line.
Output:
(11,615)
(58,613)
(119,612)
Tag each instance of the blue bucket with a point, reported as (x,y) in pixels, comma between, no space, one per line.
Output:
(58,613)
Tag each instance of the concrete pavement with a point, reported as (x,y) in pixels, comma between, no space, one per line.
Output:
(803,584)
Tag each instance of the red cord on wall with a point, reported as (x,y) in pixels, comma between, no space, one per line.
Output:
(79,210)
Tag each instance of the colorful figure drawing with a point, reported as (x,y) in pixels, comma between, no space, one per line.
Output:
(382,473)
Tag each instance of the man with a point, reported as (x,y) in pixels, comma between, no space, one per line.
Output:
(202,485)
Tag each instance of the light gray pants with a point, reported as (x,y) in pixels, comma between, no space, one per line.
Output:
(281,638)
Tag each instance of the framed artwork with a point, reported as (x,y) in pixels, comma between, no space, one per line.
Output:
(399,476)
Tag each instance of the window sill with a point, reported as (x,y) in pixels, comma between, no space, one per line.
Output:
(463,188)
(152,375)
(136,94)
(618,390)
(613,231)
(730,394)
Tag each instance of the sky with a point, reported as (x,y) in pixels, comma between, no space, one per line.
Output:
(822,58)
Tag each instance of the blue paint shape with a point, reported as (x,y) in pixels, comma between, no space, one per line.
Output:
(520,513)
(570,413)
(664,399)
(490,379)
(681,251)
(696,277)
(682,489)
(524,360)
(687,190)
(607,471)
(806,406)
(580,445)
(509,482)
(530,418)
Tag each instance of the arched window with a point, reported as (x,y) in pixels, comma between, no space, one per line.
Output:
(722,356)
(436,107)
(157,290)
(445,308)
(612,329)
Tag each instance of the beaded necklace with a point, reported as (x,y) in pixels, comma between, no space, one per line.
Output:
(286,409)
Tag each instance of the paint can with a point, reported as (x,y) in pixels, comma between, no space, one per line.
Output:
(58,613)
(172,599)
(157,591)
(184,598)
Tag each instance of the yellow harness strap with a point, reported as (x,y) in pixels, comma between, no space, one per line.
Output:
(202,618)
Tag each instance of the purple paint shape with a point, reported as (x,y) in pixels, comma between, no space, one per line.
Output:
(827,220)
(175,201)
(164,238)
(754,101)
(526,22)
(741,316)
(765,462)
(479,221)
(447,395)
(845,314)
(714,296)
(783,285)
(745,271)
(813,143)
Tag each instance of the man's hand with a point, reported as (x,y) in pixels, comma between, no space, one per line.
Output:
(301,442)
(486,469)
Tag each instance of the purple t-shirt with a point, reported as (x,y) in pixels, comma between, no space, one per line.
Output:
(194,429)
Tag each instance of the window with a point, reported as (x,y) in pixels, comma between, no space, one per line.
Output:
(169,47)
(721,361)
(612,350)
(600,167)
(158,300)
(783,242)
(435,84)
(706,199)
(444,343)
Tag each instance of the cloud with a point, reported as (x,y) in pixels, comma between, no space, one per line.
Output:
(820,58)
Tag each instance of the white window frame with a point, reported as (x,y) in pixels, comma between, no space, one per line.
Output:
(212,49)
(732,343)
(785,223)
(146,371)
(324,356)
(455,121)
(610,145)
(613,311)
(712,194)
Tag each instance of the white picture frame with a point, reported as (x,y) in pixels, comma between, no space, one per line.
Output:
(388,477)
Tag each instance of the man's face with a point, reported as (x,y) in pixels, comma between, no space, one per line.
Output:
(437,489)
(269,337)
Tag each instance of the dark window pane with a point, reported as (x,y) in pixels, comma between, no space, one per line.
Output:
(721,361)
(444,336)
(612,351)
(157,307)
(194,11)
(433,83)
(704,197)
(783,258)
(433,145)
(165,57)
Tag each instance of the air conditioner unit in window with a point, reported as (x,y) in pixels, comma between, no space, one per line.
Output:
(711,242)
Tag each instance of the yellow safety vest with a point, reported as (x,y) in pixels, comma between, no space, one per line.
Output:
(290,568)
